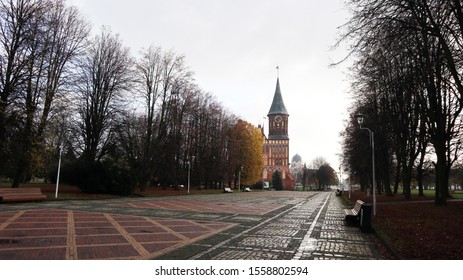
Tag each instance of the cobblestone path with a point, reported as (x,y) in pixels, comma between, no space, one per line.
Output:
(310,229)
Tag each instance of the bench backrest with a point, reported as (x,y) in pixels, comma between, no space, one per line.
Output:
(21,194)
(358,205)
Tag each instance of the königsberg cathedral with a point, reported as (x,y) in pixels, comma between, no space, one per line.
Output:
(276,145)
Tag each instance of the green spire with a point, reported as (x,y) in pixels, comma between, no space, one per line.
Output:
(278,106)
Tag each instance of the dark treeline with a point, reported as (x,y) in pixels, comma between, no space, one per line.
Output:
(119,121)
(407,77)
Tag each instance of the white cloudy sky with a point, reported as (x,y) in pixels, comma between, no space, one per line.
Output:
(234,46)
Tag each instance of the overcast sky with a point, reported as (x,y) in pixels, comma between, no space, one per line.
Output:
(234,46)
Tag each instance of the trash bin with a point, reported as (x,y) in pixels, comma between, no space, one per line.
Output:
(365,218)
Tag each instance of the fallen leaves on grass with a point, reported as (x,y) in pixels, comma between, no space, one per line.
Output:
(417,229)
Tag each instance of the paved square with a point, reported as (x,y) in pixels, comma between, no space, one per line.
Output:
(257,226)
(67,234)
(205,206)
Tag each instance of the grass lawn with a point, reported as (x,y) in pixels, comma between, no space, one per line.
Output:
(429,193)
(417,229)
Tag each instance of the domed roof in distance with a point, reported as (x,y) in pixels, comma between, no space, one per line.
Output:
(296,158)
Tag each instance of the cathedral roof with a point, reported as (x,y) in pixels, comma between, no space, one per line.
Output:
(278,106)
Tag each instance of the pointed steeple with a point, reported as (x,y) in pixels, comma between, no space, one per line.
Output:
(278,106)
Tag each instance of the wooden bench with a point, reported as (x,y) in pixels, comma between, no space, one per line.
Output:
(21,194)
(227,190)
(247,190)
(354,213)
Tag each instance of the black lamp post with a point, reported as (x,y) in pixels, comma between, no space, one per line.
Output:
(360,120)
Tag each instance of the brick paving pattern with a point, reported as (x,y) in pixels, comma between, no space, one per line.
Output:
(60,234)
(203,206)
(256,226)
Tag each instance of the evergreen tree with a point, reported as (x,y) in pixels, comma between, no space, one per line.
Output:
(276,181)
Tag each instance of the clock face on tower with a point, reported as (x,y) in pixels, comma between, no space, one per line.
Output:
(278,119)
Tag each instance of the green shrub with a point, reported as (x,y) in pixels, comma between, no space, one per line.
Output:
(107,177)
(276,181)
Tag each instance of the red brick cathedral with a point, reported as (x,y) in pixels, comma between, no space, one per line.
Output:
(276,145)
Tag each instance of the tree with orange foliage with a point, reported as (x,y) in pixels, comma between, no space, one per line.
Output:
(245,153)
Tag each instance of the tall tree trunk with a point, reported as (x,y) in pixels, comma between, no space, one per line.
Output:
(397,178)
(406,181)
(420,174)
(441,177)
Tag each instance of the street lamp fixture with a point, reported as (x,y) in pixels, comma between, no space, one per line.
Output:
(360,120)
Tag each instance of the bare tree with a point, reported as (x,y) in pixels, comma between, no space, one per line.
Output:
(421,45)
(18,19)
(104,77)
(40,40)
(162,78)
(318,162)
(59,38)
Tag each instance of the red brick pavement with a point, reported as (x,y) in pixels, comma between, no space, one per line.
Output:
(66,234)
(204,206)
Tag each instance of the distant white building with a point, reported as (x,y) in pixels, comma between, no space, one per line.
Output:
(297,168)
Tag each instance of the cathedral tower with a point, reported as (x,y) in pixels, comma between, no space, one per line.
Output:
(276,146)
(278,117)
